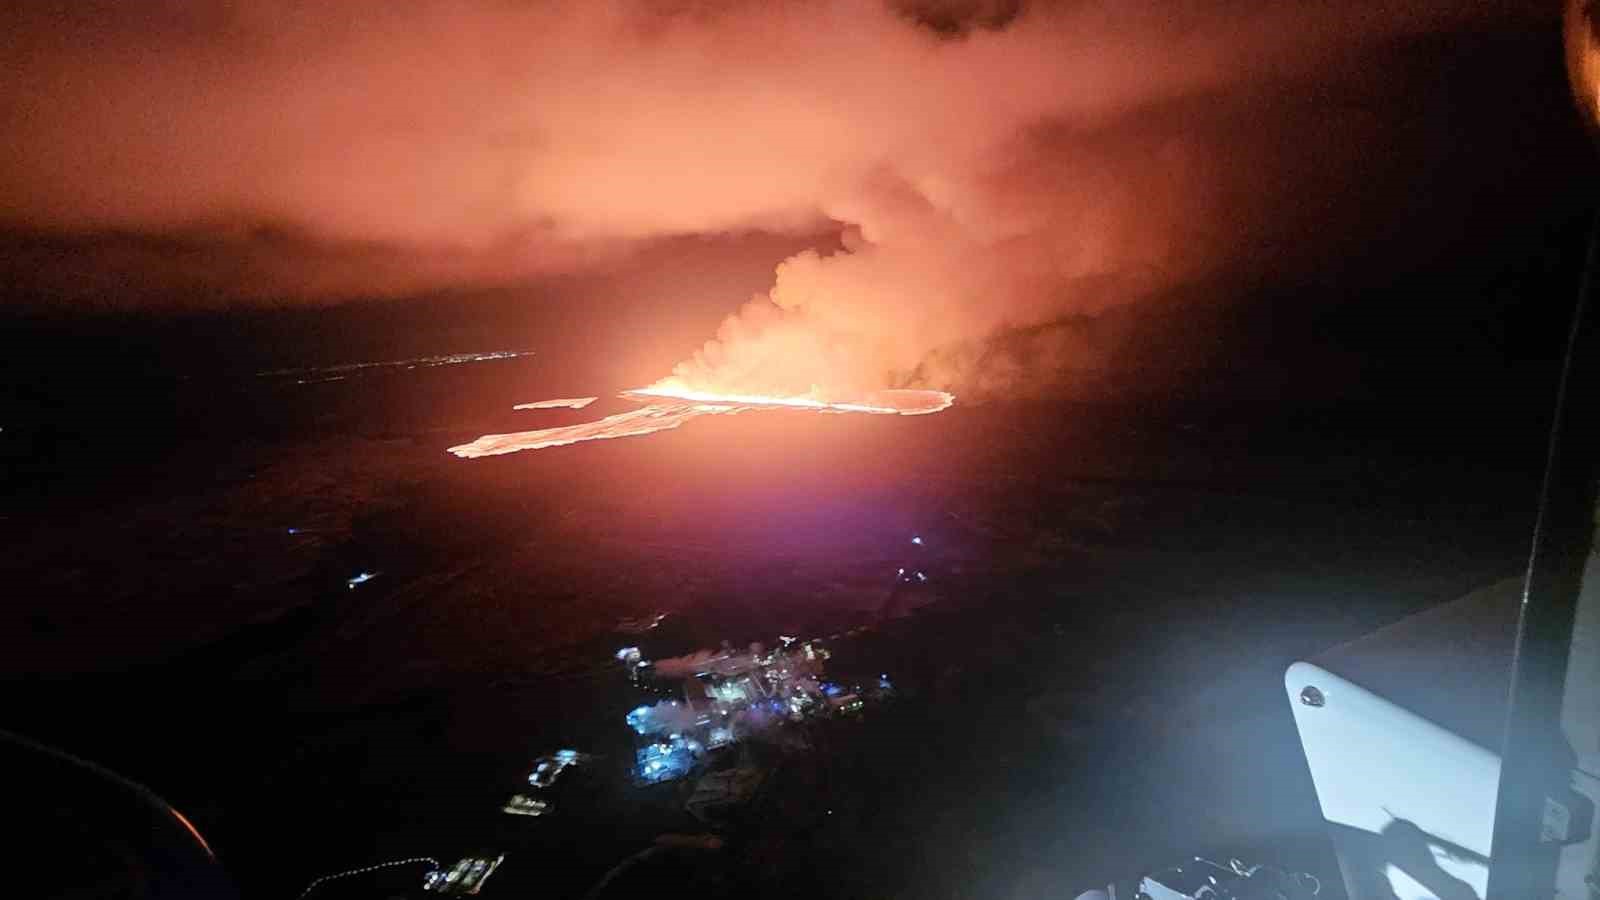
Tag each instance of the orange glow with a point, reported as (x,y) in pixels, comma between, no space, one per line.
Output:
(182,820)
(729,400)
(565,403)
(668,407)
(903,403)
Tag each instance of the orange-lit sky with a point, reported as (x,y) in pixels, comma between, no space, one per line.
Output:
(984,165)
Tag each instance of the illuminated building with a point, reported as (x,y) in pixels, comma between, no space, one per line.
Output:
(546,769)
(731,693)
(359,579)
(632,661)
(523,805)
(846,703)
(665,760)
(464,878)
(738,695)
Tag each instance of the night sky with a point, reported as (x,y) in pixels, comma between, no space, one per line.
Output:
(997,199)
(1366,207)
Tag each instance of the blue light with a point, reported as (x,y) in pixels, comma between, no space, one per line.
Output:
(359,579)
(294,531)
(664,761)
(636,719)
(917,540)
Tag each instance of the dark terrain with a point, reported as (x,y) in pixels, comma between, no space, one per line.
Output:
(1121,561)
(1092,678)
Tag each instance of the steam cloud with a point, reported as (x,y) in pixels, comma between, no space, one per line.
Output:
(664,717)
(986,164)
(725,660)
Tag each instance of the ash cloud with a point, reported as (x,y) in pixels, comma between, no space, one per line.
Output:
(990,165)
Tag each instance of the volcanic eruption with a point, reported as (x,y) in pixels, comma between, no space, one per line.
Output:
(991,190)
(667,407)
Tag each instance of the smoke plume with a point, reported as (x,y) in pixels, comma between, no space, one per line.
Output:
(986,165)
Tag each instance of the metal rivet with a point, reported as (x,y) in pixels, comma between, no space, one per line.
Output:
(1310,696)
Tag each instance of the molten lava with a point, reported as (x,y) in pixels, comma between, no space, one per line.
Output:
(666,407)
(565,403)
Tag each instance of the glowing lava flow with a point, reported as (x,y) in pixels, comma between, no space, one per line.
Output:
(667,408)
(903,403)
(569,403)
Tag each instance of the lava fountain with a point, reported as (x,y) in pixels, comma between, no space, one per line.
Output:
(666,407)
